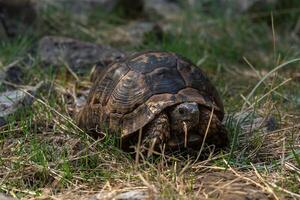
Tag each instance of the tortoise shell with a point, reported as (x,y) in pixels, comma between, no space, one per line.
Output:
(130,93)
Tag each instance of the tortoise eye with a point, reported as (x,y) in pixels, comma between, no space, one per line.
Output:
(181,111)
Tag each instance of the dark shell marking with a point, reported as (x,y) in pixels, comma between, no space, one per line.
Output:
(133,91)
(145,63)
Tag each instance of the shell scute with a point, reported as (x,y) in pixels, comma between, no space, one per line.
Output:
(133,91)
(146,63)
(164,80)
(129,93)
(102,89)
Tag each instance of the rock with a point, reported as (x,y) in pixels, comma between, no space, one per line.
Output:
(139,194)
(242,6)
(80,56)
(11,101)
(165,9)
(260,10)
(12,73)
(77,7)
(16,16)
(251,122)
(5,197)
(81,9)
(132,34)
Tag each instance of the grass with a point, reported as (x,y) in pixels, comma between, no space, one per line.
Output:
(45,155)
(13,50)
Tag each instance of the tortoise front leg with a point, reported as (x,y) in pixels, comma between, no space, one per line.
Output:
(156,133)
(217,133)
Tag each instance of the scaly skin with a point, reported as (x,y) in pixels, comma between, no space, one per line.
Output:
(157,132)
(217,133)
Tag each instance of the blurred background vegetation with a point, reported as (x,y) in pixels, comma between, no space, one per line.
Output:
(237,42)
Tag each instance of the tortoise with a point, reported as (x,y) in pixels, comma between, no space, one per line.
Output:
(161,95)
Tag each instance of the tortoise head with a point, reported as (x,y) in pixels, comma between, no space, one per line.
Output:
(184,116)
(184,119)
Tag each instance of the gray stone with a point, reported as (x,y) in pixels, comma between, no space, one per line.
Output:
(139,194)
(133,33)
(75,6)
(133,8)
(81,9)
(11,101)
(79,56)
(5,197)
(12,73)
(251,121)
(165,9)
(242,6)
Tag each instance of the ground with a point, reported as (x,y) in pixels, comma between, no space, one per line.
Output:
(252,60)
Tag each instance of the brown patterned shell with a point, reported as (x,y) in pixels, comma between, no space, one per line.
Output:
(130,93)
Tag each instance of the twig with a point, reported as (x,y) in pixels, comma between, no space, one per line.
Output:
(205,135)
(264,182)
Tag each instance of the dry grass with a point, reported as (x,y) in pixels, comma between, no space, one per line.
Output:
(44,155)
